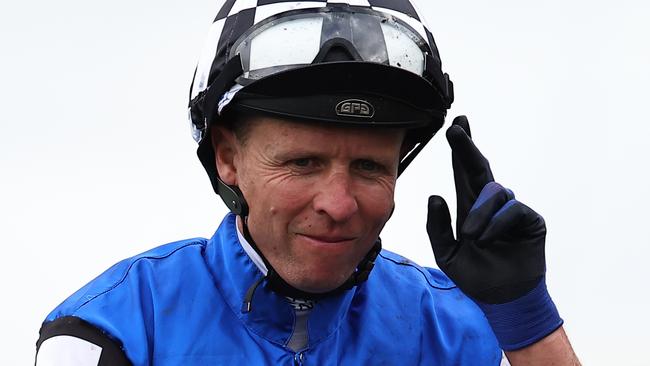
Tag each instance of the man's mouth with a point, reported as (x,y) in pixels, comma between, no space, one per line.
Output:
(328,239)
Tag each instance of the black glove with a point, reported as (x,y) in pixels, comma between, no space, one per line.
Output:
(498,256)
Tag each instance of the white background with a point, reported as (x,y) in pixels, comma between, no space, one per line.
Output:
(97,162)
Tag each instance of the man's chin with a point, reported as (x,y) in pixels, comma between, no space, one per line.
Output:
(320,285)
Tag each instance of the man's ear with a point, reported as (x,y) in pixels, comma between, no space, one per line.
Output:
(225,146)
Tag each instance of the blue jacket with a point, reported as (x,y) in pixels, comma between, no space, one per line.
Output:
(180,304)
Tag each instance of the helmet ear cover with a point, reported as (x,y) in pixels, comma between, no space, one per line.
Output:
(231,195)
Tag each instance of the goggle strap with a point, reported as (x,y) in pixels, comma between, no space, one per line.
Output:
(412,154)
(221,84)
(449,91)
(433,73)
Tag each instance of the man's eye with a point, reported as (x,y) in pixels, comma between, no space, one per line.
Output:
(368,166)
(302,162)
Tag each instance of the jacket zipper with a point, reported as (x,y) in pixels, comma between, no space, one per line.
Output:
(298,359)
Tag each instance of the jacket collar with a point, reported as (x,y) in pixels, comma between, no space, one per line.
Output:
(271,316)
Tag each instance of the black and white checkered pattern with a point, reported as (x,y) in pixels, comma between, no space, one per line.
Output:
(237,16)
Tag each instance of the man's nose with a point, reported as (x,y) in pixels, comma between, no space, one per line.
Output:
(336,199)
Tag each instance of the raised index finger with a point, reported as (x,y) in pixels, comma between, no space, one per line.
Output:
(466,155)
(471,169)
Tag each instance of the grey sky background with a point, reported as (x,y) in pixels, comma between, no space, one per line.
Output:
(97,162)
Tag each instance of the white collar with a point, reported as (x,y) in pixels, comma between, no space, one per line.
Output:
(250,251)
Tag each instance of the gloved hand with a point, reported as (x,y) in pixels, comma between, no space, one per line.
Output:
(497,258)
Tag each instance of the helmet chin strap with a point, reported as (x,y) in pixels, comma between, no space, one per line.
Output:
(279,285)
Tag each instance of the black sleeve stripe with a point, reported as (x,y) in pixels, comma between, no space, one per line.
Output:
(112,353)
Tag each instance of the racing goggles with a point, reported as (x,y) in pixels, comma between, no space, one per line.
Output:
(302,37)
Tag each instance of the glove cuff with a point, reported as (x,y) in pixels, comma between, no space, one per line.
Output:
(523,321)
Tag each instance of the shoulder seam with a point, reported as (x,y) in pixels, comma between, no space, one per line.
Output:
(126,273)
(417,269)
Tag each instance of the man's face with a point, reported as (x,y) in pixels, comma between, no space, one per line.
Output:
(318,196)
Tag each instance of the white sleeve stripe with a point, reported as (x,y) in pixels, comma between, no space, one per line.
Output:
(68,350)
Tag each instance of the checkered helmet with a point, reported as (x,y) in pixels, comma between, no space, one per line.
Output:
(346,62)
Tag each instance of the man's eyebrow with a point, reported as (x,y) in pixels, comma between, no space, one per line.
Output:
(296,153)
